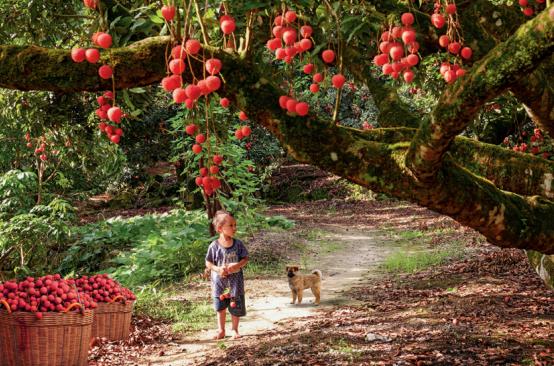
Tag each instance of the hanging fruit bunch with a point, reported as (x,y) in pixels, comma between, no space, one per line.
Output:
(399,50)
(41,146)
(291,41)
(456,54)
(530,7)
(197,97)
(108,112)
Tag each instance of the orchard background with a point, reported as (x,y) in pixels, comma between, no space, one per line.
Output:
(126,124)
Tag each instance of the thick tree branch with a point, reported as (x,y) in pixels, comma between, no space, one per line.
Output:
(37,68)
(392,111)
(491,76)
(516,172)
(505,218)
(536,91)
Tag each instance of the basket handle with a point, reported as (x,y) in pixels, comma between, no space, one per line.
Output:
(118,297)
(3,302)
(75,304)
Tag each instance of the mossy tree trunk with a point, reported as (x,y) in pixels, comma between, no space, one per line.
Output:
(543,265)
(504,195)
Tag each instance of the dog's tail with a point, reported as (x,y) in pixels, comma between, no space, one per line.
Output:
(317,272)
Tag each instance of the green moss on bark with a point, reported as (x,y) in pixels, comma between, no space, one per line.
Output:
(492,75)
(537,92)
(37,68)
(520,173)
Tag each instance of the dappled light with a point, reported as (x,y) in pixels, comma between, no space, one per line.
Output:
(276,182)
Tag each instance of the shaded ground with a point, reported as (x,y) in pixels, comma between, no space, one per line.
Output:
(487,308)
(344,257)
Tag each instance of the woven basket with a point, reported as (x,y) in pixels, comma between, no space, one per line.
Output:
(58,339)
(112,320)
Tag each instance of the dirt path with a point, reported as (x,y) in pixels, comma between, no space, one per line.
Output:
(347,257)
(483,306)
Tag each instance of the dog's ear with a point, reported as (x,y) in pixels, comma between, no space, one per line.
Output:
(287,268)
(295,268)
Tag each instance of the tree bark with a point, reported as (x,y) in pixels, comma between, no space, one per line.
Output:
(537,92)
(544,266)
(503,66)
(37,68)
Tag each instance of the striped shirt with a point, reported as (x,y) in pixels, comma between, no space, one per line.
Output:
(219,256)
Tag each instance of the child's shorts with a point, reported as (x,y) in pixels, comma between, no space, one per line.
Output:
(239,310)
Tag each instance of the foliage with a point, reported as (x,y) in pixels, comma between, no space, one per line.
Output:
(26,239)
(238,173)
(525,137)
(28,232)
(129,20)
(146,139)
(241,184)
(126,242)
(168,254)
(499,118)
(76,159)
(157,247)
(17,193)
(357,105)
(279,221)
(31,21)
(264,150)
(82,159)
(144,146)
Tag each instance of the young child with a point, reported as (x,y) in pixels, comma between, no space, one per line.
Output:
(225,258)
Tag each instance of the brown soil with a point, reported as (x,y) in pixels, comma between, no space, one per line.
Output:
(487,308)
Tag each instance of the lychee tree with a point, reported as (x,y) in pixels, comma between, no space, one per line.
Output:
(251,57)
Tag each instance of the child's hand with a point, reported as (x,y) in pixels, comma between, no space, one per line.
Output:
(222,271)
(232,268)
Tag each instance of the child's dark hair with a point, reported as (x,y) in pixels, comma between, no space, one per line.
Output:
(219,218)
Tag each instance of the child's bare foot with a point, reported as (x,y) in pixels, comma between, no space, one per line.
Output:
(236,334)
(220,335)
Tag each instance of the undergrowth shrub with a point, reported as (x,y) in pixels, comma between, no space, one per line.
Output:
(152,248)
(32,237)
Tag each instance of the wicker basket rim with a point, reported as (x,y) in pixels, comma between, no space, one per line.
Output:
(44,313)
(49,319)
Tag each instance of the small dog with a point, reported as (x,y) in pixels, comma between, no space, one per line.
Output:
(299,282)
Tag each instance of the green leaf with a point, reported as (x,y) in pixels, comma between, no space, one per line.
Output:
(136,112)
(158,19)
(250,5)
(137,90)
(138,24)
(128,100)
(354,31)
